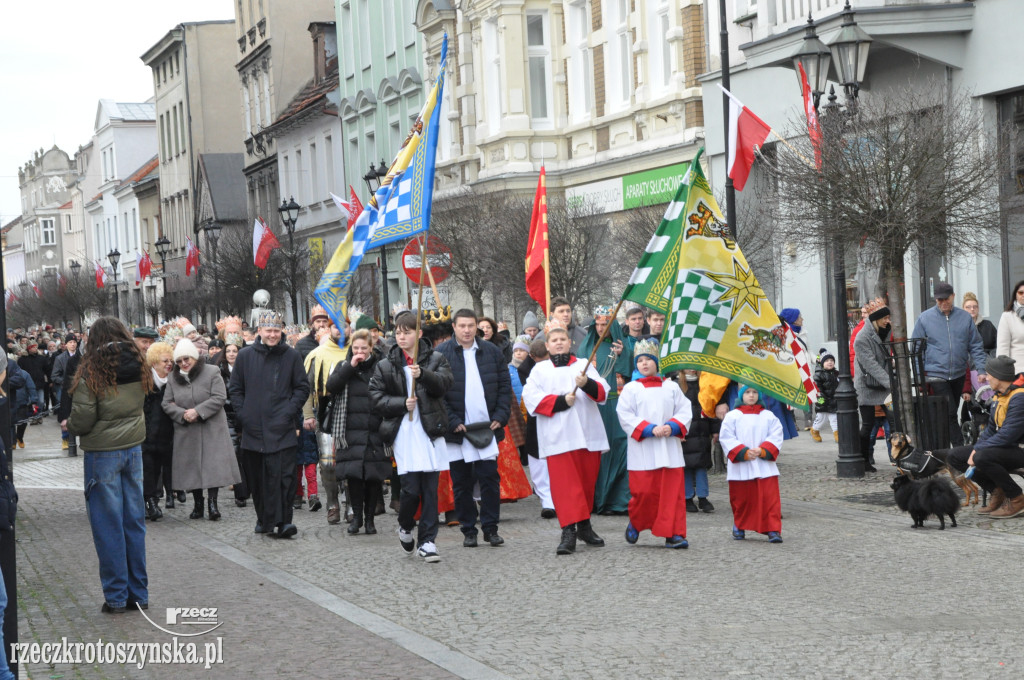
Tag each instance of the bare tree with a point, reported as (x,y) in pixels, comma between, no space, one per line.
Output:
(467,222)
(237,277)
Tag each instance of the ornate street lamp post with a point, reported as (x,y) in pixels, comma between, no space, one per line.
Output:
(114,256)
(373,179)
(289,211)
(163,247)
(212,229)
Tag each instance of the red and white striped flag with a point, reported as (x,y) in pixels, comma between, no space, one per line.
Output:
(101,275)
(263,242)
(191,257)
(35,288)
(813,127)
(803,363)
(747,132)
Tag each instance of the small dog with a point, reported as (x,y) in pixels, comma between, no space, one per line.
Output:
(922,497)
(919,466)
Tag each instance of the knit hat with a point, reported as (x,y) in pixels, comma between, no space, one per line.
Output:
(742,390)
(366,322)
(1001,368)
(145,332)
(268,318)
(521,342)
(318,312)
(879,313)
(32,345)
(646,348)
(188,329)
(826,356)
(530,321)
(942,290)
(185,348)
(790,315)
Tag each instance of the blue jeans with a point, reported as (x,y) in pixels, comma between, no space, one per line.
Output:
(5,670)
(698,477)
(113,499)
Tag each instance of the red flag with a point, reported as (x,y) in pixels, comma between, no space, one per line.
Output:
(746,132)
(139,276)
(147,265)
(62,283)
(355,207)
(813,128)
(35,288)
(9,298)
(191,257)
(263,241)
(101,276)
(538,276)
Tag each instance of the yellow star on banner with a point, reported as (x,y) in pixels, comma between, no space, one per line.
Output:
(742,287)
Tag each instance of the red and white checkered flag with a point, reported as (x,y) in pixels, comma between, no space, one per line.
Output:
(802,363)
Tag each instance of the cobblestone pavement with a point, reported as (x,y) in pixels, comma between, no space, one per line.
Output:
(853,592)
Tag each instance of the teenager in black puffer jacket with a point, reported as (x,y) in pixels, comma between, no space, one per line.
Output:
(389,381)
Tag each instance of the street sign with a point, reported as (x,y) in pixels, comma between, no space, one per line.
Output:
(439,259)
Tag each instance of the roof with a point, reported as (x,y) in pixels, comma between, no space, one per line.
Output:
(129,111)
(66,206)
(224,179)
(312,94)
(141,173)
(11,225)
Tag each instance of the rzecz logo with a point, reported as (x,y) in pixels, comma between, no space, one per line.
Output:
(188,616)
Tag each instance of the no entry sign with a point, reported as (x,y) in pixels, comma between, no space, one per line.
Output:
(439,259)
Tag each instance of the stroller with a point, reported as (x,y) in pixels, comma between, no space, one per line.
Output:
(974,414)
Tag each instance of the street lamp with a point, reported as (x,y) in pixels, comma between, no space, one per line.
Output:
(851,52)
(373,179)
(163,247)
(816,58)
(76,269)
(290,215)
(114,256)
(212,229)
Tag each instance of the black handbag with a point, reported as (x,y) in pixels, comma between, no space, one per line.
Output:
(8,495)
(480,435)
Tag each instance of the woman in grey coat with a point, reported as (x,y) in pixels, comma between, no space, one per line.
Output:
(871,380)
(204,456)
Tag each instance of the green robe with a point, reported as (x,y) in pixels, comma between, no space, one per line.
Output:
(611,493)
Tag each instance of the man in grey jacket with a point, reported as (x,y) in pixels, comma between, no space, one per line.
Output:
(953,339)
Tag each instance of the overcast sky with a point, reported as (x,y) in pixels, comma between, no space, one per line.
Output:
(59,58)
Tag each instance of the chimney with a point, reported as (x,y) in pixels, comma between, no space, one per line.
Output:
(325,49)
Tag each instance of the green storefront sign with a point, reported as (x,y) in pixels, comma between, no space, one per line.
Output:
(652,186)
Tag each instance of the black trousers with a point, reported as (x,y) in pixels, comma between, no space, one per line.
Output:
(951,390)
(241,488)
(868,430)
(464,474)
(363,496)
(419,488)
(156,471)
(272,481)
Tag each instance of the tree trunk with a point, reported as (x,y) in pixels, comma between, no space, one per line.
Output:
(478,301)
(895,289)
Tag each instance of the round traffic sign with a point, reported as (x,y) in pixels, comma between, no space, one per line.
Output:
(439,259)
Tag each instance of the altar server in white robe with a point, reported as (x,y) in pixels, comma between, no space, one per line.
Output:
(655,415)
(751,436)
(563,393)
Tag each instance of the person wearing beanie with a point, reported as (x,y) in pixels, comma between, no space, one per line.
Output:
(998,450)
(953,344)
(318,319)
(144,336)
(793,317)
(656,415)
(530,325)
(871,379)
(826,380)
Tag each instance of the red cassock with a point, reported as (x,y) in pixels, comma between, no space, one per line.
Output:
(753,482)
(658,501)
(756,505)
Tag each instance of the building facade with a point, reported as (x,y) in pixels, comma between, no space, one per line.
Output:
(44,182)
(964,45)
(197,113)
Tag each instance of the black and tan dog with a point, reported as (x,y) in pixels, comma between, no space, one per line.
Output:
(922,464)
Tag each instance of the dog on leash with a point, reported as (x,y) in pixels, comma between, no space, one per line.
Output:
(922,464)
(922,497)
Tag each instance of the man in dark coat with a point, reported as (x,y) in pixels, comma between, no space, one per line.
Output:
(37,365)
(480,394)
(267,389)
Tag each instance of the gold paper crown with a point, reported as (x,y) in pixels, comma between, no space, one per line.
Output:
(554,325)
(872,305)
(603,311)
(318,312)
(648,346)
(433,316)
(224,321)
(181,322)
(234,339)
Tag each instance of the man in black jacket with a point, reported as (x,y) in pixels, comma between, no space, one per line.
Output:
(268,388)
(36,364)
(481,395)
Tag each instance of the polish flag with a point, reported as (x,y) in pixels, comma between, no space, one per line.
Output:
(746,133)
(101,276)
(35,288)
(263,241)
(143,267)
(191,257)
(813,128)
(9,298)
(62,283)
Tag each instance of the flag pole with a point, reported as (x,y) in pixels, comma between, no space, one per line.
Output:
(419,316)
(430,277)
(604,334)
(547,284)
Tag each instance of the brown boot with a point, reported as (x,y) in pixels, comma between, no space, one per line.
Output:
(1011,508)
(995,499)
(835,436)
(815,435)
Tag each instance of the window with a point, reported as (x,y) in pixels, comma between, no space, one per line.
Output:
(248,110)
(67,224)
(492,69)
(163,138)
(266,98)
(177,138)
(135,231)
(329,162)
(660,51)
(353,156)
(581,74)
(388,28)
(364,27)
(314,175)
(539,56)
(299,178)
(48,231)
(619,61)
(181,123)
(285,176)
(349,67)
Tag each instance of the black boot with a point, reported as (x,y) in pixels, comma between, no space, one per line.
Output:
(357,521)
(197,505)
(153,510)
(214,511)
(587,534)
(180,495)
(567,546)
(370,528)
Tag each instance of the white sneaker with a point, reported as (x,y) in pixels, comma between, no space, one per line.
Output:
(407,541)
(428,551)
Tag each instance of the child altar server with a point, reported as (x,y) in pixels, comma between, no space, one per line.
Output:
(563,393)
(751,436)
(655,415)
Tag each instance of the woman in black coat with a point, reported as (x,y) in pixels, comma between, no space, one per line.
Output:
(358,449)
(158,448)
(225,361)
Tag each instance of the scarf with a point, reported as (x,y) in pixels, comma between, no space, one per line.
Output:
(339,419)
(157,380)
(319,365)
(1018,309)
(560,359)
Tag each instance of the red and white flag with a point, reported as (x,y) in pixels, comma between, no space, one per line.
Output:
(140,268)
(263,241)
(9,298)
(746,133)
(62,283)
(352,207)
(101,275)
(802,362)
(35,288)
(191,257)
(813,127)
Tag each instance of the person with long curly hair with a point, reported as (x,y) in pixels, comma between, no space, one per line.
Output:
(109,390)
